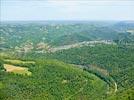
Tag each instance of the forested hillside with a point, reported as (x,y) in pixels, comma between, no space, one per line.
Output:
(67,60)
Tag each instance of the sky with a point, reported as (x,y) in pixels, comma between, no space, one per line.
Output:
(16,10)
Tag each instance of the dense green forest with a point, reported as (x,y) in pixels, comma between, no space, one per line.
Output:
(67,61)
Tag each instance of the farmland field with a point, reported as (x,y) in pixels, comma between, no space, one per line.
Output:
(16,69)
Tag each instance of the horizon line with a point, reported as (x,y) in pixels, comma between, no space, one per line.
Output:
(67,20)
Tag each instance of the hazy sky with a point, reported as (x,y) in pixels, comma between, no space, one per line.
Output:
(67,10)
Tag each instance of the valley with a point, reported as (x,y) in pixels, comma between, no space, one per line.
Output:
(66,61)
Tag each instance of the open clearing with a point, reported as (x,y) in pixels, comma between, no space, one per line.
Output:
(17,69)
(19,61)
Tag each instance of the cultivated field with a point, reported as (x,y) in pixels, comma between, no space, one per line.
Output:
(17,69)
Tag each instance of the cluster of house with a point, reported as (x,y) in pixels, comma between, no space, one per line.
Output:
(44,47)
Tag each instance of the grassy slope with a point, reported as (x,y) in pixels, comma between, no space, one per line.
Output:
(52,80)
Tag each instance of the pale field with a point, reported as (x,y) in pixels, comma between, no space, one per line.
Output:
(17,69)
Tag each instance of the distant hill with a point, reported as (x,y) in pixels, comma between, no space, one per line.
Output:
(13,35)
